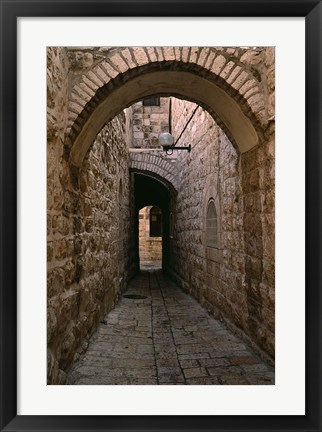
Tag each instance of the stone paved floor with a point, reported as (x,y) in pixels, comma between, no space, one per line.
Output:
(167,338)
(151,265)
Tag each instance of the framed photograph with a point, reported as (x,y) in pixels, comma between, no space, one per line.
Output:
(160,216)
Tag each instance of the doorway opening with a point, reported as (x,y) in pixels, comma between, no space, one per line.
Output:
(150,238)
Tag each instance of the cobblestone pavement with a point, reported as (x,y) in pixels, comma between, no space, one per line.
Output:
(165,338)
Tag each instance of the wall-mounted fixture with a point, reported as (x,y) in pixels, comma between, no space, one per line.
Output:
(166,140)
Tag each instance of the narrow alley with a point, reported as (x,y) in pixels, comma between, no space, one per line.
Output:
(158,334)
(161,163)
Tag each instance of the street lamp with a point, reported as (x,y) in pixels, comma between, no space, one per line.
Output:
(166,140)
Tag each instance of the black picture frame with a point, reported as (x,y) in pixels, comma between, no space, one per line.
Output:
(10,11)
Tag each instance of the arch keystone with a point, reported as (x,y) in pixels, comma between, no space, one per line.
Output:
(169,54)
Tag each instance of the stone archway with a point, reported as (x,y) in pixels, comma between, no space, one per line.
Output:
(224,81)
(158,167)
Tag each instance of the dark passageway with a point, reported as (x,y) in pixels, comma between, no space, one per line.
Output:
(150,190)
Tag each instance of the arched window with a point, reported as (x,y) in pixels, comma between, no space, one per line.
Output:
(155,222)
(211,225)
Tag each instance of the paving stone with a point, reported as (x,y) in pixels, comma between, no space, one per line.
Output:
(171,379)
(220,371)
(168,363)
(207,380)
(195,372)
(191,348)
(138,340)
(245,360)
(193,356)
(255,367)
(125,347)
(164,348)
(132,363)
(140,373)
(214,362)
(189,363)
(169,371)
(145,349)
(94,359)
(233,380)
(168,340)
(261,379)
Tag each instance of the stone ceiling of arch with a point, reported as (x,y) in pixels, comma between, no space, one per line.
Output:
(233,95)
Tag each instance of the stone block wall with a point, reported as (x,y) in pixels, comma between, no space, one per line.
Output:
(150,248)
(149,122)
(58,227)
(234,280)
(88,228)
(258,169)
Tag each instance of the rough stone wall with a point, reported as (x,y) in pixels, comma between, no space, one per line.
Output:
(261,62)
(234,280)
(150,248)
(58,227)
(89,265)
(259,243)
(88,228)
(149,122)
